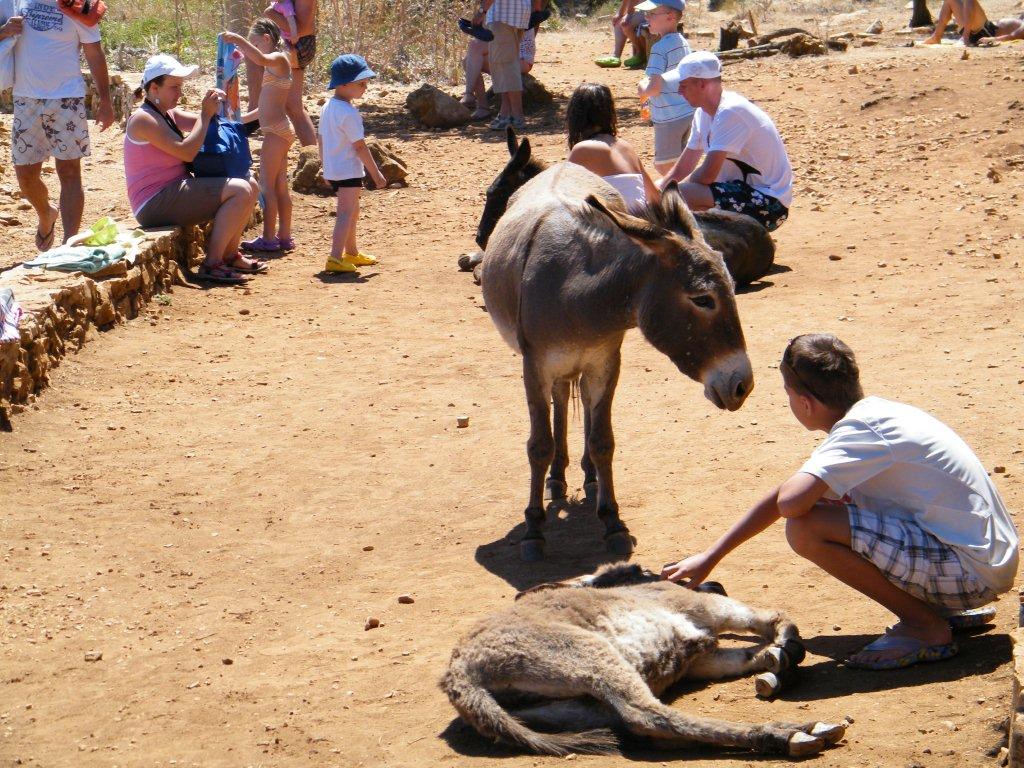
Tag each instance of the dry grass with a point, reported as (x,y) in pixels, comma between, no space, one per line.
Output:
(403,40)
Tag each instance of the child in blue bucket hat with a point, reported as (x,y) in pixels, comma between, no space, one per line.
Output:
(345,158)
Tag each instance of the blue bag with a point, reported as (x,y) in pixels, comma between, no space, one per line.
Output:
(225,151)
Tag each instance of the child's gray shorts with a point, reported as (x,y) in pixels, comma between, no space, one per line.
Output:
(670,139)
(915,561)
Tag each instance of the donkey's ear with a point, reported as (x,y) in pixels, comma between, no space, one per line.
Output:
(675,209)
(639,230)
(521,157)
(510,139)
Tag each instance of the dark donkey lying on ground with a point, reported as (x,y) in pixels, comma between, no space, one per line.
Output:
(746,246)
(586,662)
(565,275)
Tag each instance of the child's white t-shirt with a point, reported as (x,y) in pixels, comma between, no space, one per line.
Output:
(744,132)
(340,127)
(665,55)
(894,459)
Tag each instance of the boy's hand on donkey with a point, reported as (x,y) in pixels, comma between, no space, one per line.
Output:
(695,567)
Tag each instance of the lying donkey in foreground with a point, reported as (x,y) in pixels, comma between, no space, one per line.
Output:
(745,245)
(582,663)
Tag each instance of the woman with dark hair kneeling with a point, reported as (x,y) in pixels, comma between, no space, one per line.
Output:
(161,190)
(594,143)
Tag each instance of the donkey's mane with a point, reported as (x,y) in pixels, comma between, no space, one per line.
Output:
(673,214)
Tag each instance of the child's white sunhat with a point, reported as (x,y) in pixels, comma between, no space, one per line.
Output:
(703,65)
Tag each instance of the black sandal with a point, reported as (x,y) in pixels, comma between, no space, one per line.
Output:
(220,273)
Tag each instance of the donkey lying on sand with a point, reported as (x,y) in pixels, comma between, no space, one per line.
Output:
(564,278)
(584,663)
(746,246)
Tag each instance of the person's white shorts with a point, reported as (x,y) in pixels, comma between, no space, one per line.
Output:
(670,139)
(44,128)
(915,561)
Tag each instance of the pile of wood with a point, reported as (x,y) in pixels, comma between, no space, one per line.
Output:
(792,40)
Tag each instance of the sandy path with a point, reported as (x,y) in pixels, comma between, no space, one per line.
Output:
(202,485)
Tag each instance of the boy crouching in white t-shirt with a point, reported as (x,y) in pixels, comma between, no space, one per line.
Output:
(893,503)
(343,156)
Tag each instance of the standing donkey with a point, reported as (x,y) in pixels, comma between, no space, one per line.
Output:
(564,277)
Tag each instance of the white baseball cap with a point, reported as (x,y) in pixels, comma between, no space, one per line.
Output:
(703,65)
(165,64)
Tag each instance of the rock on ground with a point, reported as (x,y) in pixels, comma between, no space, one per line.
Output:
(436,109)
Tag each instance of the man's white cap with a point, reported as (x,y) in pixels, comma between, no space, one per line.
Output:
(700,64)
(165,64)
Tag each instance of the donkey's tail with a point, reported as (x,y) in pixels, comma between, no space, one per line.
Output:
(480,709)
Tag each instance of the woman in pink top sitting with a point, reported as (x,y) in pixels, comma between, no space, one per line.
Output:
(160,189)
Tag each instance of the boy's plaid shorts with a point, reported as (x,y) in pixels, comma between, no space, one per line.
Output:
(915,561)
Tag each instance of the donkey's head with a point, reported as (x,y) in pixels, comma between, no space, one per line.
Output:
(686,307)
(520,169)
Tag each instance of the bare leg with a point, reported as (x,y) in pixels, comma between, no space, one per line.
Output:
(620,41)
(823,537)
(515,103)
(284,204)
(348,210)
(30,181)
(351,246)
(697,196)
(948,10)
(72,196)
(237,202)
(473,65)
(297,111)
(272,160)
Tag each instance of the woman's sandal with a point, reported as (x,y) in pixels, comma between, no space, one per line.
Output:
(220,273)
(243,263)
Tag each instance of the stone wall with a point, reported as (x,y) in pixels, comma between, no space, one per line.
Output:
(62,311)
(122,87)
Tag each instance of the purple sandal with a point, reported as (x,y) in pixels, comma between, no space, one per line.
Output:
(287,243)
(261,244)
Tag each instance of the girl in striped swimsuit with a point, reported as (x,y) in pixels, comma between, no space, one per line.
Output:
(263,48)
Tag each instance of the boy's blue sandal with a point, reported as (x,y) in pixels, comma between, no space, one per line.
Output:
(975,617)
(908,650)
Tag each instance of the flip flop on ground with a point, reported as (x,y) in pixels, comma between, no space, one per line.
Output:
(900,651)
(220,273)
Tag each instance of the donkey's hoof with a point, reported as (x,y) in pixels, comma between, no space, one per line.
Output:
(619,543)
(556,490)
(832,733)
(804,745)
(767,685)
(531,550)
(795,651)
(590,492)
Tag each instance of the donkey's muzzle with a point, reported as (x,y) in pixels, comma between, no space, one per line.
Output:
(729,382)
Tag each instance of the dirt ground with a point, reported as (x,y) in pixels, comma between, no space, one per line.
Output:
(217,495)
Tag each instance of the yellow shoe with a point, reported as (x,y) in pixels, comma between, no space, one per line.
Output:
(360,259)
(339,265)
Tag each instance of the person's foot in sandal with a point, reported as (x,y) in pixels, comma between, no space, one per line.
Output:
(46,230)
(220,273)
(481,113)
(242,263)
(360,259)
(634,62)
(261,244)
(608,62)
(897,650)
